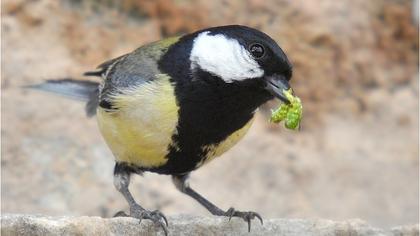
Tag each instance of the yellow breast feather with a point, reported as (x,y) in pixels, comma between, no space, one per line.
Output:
(141,128)
(214,151)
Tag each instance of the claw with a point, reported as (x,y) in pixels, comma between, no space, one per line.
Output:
(165,230)
(230,212)
(157,217)
(259,217)
(162,216)
(248,217)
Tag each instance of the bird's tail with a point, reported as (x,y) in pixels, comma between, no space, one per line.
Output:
(87,91)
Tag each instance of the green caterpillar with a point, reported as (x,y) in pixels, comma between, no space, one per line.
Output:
(290,113)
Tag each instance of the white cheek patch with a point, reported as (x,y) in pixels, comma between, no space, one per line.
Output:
(223,57)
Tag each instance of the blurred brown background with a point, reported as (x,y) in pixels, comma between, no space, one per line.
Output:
(355,67)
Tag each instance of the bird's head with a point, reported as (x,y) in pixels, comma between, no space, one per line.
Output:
(236,55)
(239,54)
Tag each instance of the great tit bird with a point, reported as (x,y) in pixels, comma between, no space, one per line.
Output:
(172,106)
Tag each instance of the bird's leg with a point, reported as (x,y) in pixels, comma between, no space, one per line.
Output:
(182,185)
(122,174)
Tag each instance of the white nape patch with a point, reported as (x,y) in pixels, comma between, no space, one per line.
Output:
(224,57)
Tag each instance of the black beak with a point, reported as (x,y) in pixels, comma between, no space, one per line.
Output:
(276,84)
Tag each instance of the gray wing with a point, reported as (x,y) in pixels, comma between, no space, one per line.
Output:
(126,71)
(102,68)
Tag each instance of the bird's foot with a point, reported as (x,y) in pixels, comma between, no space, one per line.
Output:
(245,215)
(138,212)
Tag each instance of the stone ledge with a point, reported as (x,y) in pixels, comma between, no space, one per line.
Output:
(15,224)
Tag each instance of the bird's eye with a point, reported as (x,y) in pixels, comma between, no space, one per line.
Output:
(257,50)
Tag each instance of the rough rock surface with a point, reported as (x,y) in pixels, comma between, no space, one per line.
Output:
(13,224)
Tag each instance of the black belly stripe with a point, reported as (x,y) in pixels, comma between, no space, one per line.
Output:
(210,111)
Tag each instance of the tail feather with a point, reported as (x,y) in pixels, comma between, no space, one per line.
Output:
(83,90)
